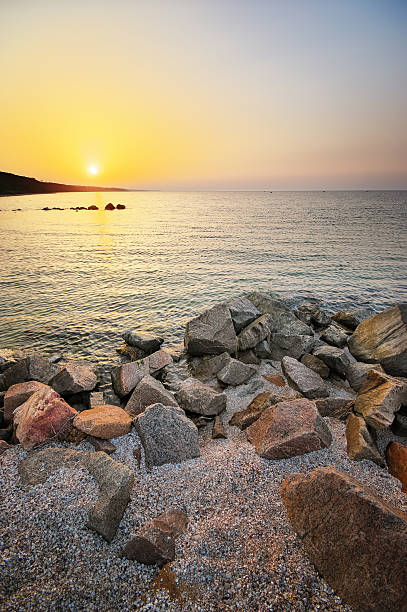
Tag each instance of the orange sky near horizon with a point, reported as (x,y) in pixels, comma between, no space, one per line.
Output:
(205,95)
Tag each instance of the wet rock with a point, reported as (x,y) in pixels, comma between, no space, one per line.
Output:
(103,422)
(34,367)
(110,206)
(96,399)
(4,446)
(18,394)
(243,312)
(262,350)
(356,373)
(335,335)
(288,429)
(148,391)
(43,416)
(236,373)
(7,359)
(143,340)
(114,479)
(335,358)
(154,543)
(74,377)
(218,430)
(167,435)
(383,339)
(351,318)
(212,332)
(399,425)
(359,443)
(334,407)
(100,445)
(128,375)
(396,457)
(304,380)
(200,399)
(314,363)
(131,352)
(254,333)
(379,399)
(357,541)
(292,346)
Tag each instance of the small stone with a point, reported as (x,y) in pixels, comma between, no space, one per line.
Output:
(200,399)
(275,379)
(320,319)
(3,446)
(104,422)
(128,375)
(158,360)
(218,429)
(399,425)
(96,399)
(351,319)
(236,373)
(334,407)
(137,456)
(104,446)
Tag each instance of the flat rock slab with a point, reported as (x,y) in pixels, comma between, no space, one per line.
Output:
(357,541)
(143,340)
(359,442)
(74,377)
(167,435)
(115,481)
(288,429)
(335,358)
(211,333)
(383,339)
(149,391)
(104,422)
(18,394)
(396,457)
(304,380)
(200,399)
(43,416)
(236,373)
(379,398)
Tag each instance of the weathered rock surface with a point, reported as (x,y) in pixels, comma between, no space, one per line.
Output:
(315,363)
(200,399)
(74,377)
(243,312)
(334,334)
(249,357)
(254,333)
(167,435)
(115,481)
(263,350)
(383,339)
(396,457)
(154,543)
(43,416)
(320,319)
(335,358)
(96,399)
(211,333)
(304,380)
(158,360)
(334,407)
(207,367)
(143,340)
(149,391)
(18,394)
(3,446)
(100,445)
(281,320)
(266,303)
(351,318)
(103,422)
(379,398)
(357,541)
(288,429)
(249,415)
(125,377)
(218,431)
(236,373)
(34,367)
(275,379)
(292,346)
(131,352)
(359,443)
(356,373)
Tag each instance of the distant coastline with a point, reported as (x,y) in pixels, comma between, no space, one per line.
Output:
(14,184)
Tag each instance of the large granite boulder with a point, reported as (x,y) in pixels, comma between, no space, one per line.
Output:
(288,429)
(267,303)
(356,540)
(379,398)
(281,320)
(383,339)
(359,442)
(207,367)
(148,391)
(243,312)
(314,363)
(356,373)
(126,376)
(167,435)
(211,333)
(74,377)
(143,340)
(43,416)
(334,334)
(292,346)
(158,360)
(34,367)
(236,373)
(396,457)
(17,395)
(351,318)
(304,380)
(335,358)
(104,422)
(115,481)
(254,333)
(200,399)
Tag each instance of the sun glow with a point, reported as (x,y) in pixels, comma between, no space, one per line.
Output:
(93,169)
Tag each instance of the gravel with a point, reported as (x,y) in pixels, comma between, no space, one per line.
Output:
(239,552)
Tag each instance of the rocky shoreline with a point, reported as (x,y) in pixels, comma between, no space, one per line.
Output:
(261,466)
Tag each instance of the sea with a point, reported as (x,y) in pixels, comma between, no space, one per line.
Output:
(73,281)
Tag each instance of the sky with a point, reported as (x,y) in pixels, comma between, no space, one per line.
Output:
(205,94)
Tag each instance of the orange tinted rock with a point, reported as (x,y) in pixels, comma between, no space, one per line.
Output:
(276,379)
(104,422)
(18,394)
(396,457)
(379,398)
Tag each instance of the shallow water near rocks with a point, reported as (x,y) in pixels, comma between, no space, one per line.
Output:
(74,281)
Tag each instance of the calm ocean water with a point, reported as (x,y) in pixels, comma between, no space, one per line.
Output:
(73,281)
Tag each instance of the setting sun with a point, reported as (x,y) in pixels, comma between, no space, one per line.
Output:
(93,170)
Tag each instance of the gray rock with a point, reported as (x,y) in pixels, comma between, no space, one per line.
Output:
(167,435)
(304,380)
(74,377)
(143,340)
(320,318)
(254,333)
(211,333)
(243,312)
(34,367)
(356,373)
(236,373)
(114,479)
(292,346)
(316,364)
(174,375)
(128,375)
(149,391)
(200,399)
(359,443)
(207,367)
(335,335)
(249,357)
(267,303)
(262,350)
(352,318)
(335,358)
(305,311)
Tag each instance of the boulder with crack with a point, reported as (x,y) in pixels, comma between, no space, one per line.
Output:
(18,394)
(243,312)
(254,333)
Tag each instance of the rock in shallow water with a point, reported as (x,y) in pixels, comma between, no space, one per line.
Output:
(357,541)
(143,340)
